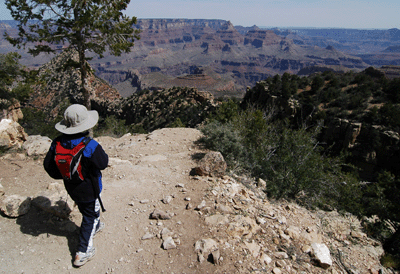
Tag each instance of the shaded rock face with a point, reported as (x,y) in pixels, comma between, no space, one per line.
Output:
(343,131)
(345,134)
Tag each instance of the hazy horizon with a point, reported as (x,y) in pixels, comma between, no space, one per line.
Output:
(346,14)
(261,27)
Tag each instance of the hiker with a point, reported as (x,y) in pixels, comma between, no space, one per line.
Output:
(82,181)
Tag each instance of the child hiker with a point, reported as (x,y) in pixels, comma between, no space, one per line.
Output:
(78,159)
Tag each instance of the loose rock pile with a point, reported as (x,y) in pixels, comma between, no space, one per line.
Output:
(258,235)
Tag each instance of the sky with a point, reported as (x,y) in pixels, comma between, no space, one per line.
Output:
(360,14)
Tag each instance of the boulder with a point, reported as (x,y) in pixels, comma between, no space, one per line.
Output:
(15,205)
(37,145)
(11,134)
(212,164)
(322,255)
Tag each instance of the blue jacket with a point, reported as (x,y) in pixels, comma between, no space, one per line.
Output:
(94,159)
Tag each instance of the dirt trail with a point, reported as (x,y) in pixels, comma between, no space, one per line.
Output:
(143,170)
(252,233)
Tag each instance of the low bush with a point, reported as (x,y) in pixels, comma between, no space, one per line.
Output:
(111,126)
(289,160)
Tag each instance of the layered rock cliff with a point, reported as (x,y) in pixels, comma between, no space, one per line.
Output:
(168,48)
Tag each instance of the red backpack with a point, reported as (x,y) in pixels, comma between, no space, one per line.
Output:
(68,161)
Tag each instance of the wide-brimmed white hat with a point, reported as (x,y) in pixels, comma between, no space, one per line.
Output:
(77,119)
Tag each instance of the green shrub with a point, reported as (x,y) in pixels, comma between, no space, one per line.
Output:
(138,129)
(35,122)
(227,140)
(111,126)
(390,116)
(317,83)
(392,261)
(176,123)
(289,160)
(226,111)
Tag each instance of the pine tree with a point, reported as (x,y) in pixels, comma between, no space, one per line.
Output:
(83,25)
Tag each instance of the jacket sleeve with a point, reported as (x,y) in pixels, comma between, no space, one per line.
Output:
(49,164)
(99,158)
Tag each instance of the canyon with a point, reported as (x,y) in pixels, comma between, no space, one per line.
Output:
(216,56)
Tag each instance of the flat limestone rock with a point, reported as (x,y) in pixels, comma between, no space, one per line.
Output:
(216,219)
(37,145)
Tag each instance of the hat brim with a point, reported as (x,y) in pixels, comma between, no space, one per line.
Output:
(91,121)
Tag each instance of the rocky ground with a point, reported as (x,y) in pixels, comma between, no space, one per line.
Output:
(205,224)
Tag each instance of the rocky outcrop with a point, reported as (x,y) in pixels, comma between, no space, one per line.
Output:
(230,35)
(12,112)
(343,132)
(371,147)
(162,108)
(150,107)
(62,87)
(391,71)
(260,38)
(11,134)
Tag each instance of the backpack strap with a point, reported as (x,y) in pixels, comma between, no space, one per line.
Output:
(85,142)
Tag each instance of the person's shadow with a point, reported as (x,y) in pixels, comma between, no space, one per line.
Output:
(38,221)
